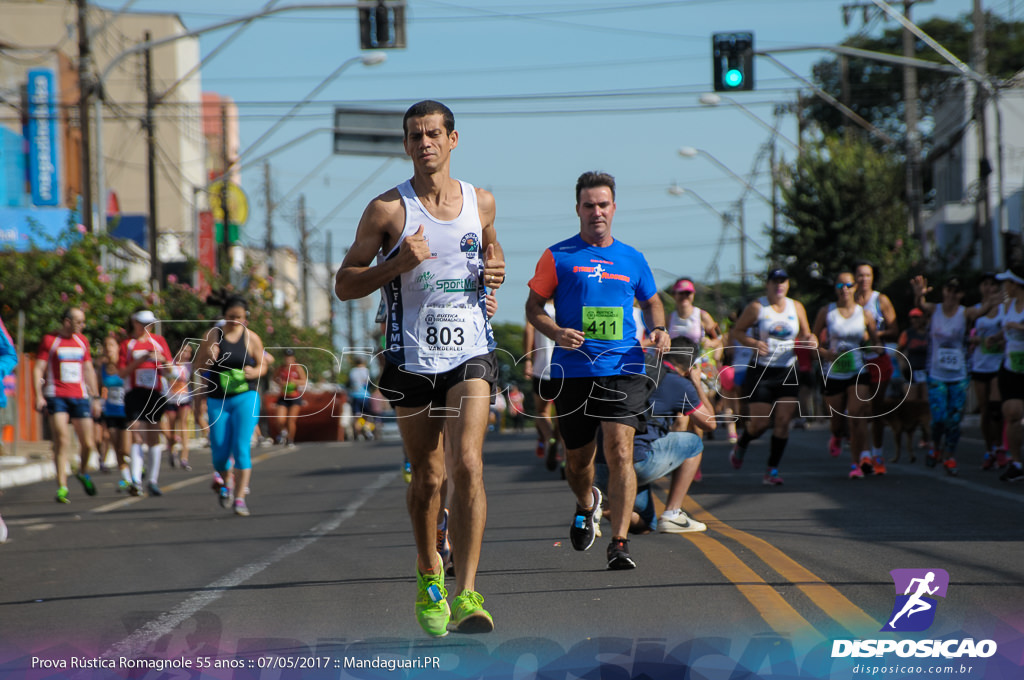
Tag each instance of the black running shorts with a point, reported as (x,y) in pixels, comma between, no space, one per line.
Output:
(583,403)
(404,388)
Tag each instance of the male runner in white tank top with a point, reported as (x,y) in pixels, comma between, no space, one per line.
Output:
(437,250)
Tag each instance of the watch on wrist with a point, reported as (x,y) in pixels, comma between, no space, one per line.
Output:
(659,328)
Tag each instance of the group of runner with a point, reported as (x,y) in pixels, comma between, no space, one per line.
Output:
(137,397)
(585,356)
(430,247)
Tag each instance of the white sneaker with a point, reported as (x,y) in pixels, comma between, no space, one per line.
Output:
(3,531)
(678,522)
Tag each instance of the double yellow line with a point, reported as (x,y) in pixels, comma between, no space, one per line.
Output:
(779,614)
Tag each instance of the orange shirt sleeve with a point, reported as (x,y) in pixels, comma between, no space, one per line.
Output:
(545,278)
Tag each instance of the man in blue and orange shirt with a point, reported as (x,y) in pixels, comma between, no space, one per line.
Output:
(597,360)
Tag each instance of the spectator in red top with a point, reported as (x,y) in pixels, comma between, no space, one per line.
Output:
(144,357)
(64,383)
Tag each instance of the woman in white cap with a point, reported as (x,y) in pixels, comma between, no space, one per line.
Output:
(144,357)
(778,323)
(1011,373)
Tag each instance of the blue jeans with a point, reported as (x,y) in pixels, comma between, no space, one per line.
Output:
(666,455)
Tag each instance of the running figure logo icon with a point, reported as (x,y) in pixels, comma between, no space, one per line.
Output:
(914,610)
(596,274)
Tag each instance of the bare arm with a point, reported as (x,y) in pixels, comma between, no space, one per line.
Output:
(921,289)
(569,338)
(892,326)
(254,346)
(654,317)
(494,255)
(804,333)
(747,319)
(38,377)
(704,417)
(380,225)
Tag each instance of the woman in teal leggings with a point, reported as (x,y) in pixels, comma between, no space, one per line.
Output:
(231,357)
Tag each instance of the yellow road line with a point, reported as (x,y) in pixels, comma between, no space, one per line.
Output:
(781,616)
(827,598)
(772,607)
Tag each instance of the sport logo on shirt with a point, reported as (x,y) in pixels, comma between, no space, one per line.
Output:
(470,246)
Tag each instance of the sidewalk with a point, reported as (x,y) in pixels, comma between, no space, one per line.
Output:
(33,463)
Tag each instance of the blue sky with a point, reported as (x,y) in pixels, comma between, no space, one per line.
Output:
(541,92)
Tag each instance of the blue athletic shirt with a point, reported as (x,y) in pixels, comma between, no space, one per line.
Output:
(593,290)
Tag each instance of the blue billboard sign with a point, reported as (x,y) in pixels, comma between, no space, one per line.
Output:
(42,138)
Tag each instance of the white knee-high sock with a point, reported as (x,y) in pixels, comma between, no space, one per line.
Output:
(153,463)
(137,463)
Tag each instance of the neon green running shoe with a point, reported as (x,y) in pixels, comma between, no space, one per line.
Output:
(87,484)
(62,495)
(432,610)
(468,614)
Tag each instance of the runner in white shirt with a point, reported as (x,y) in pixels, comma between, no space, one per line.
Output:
(947,366)
(778,323)
(436,249)
(986,358)
(846,390)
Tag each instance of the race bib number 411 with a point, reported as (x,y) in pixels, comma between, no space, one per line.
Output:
(602,323)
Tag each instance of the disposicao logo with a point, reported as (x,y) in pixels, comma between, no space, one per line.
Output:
(916,590)
(914,611)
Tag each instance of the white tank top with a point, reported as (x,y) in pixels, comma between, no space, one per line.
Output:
(436,318)
(874,307)
(542,347)
(947,355)
(690,327)
(844,337)
(985,360)
(1014,349)
(778,330)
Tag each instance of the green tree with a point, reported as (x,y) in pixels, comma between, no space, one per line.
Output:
(54,274)
(842,202)
(876,89)
(509,338)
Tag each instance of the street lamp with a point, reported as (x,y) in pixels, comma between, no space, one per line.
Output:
(371,59)
(714,99)
(148,45)
(692,152)
(677,190)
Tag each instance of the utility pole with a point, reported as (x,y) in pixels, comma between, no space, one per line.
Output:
(304,257)
(269,200)
(329,289)
(983,210)
(912,148)
(914,188)
(154,262)
(84,90)
(225,246)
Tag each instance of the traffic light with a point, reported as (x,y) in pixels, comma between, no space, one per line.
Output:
(381,26)
(733,57)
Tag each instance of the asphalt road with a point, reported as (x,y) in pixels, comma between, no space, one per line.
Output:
(318,582)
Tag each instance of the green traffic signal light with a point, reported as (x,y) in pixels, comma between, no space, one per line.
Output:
(733,77)
(732,56)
